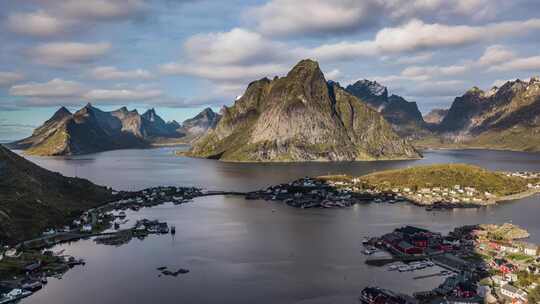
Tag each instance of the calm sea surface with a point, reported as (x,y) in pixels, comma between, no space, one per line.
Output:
(242,251)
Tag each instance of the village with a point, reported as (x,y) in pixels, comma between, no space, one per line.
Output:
(481,264)
(25,267)
(341,191)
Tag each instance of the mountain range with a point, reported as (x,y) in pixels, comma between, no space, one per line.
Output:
(33,199)
(301,117)
(92,130)
(506,117)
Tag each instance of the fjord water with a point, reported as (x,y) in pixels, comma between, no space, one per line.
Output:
(242,251)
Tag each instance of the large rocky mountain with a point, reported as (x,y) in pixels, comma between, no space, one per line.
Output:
(93,130)
(301,117)
(33,199)
(502,118)
(201,123)
(403,115)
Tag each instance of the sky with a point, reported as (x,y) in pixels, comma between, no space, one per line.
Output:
(180,56)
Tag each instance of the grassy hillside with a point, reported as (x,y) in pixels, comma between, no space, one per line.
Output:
(33,199)
(448,175)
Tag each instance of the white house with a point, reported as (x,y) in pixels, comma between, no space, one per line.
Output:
(514,293)
(528,248)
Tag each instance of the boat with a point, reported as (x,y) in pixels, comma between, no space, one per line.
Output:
(393,267)
(173,229)
(14,295)
(404,268)
(365,241)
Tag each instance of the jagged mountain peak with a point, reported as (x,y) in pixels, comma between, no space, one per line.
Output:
(61,113)
(475,91)
(534,79)
(300,117)
(373,87)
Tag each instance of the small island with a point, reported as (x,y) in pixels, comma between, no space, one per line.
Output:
(440,186)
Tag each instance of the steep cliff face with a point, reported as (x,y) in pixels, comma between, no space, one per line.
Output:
(403,115)
(201,123)
(435,116)
(300,118)
(33,199)
(503,118)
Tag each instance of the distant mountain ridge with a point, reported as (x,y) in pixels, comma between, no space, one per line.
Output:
(435,116)
(92,130)
(404,116)
(300,117)
(502,118)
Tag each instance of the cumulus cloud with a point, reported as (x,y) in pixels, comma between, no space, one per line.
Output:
(434,71)
(66,53)
(416,35)
(238,46)
(100,9)
(495,54)
(223,72)
(230,59)
(113,73)
(287,17)
(122,94)
(441,88)
(519,64)
(316,17)
(9,78)
(65,92)
(55,17)
(54,88)
(37,23)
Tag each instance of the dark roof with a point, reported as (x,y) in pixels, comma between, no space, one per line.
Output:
(412,230)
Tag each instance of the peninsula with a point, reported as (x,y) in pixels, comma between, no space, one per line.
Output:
(442,186)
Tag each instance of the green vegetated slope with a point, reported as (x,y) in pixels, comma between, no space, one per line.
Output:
(33,199)
(448,175)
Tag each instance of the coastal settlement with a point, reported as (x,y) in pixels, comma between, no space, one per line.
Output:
(481,264)
(433,187)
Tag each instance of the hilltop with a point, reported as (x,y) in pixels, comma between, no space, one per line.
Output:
(33,199)
(301,117)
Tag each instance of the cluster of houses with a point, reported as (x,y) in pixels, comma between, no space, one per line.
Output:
(524,174)
(310,193)
(533,176)
(410,240)
(33,274)
(459,252)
